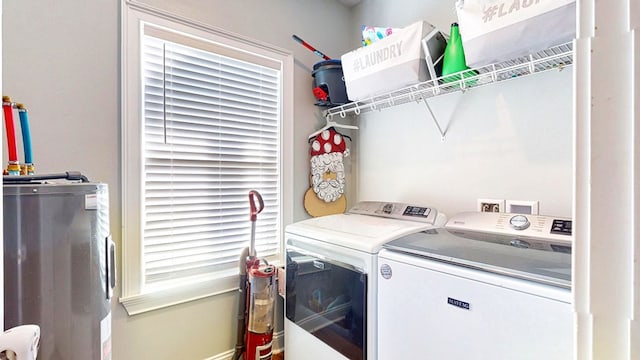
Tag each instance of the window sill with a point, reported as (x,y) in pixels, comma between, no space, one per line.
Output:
(141,303)
(179,294)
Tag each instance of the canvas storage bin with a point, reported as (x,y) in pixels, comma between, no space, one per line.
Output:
(392,63)
(499,30)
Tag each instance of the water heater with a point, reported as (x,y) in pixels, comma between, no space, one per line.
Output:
(59,268)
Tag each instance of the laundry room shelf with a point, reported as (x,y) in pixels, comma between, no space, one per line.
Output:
(557,57)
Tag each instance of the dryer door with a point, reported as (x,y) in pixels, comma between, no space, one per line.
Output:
(327,298)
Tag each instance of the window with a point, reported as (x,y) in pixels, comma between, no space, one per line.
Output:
(203,120)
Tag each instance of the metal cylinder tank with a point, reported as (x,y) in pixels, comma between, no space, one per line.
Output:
(59,268)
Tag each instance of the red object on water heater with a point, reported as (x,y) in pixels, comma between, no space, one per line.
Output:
(14,165)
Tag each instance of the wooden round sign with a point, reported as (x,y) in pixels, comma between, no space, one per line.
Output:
(317,207)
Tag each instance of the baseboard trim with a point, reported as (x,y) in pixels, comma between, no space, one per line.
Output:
(278,346)
(223,356)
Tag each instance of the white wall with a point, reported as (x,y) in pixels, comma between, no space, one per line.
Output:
(399,13)
(506,141)
(512,140)
(61,59)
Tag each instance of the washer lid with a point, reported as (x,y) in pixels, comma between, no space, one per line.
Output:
(496,253)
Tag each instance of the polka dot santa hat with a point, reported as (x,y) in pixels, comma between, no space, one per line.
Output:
(328,141)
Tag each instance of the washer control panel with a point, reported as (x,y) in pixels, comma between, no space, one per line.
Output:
(523,228)
(395,210)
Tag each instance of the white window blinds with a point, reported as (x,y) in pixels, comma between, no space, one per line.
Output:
(211,133)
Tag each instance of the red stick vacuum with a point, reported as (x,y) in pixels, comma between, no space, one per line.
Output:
(257,297)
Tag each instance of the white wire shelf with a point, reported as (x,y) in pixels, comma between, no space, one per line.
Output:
(557,57)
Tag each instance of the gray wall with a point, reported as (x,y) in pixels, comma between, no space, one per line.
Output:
(61,58)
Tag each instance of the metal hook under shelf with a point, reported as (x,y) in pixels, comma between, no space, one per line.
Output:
(328,115)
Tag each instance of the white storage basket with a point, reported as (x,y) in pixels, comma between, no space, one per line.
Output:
(498,30)
(393,62)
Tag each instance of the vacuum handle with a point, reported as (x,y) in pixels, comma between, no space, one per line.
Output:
(253,195)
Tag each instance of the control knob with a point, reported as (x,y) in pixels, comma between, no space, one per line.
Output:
(519,222)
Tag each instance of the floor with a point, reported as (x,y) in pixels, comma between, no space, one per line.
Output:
(278,356)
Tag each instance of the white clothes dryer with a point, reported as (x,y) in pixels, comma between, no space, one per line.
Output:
(492,286)
(331,283)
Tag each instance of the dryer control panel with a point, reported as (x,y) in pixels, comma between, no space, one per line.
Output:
(396,210)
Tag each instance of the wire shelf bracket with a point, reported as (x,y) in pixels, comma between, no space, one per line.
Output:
(435,120)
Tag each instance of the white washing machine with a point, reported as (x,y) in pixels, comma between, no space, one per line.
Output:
(486,286)
(331,282)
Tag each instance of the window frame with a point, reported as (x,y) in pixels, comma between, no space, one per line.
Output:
(134,17)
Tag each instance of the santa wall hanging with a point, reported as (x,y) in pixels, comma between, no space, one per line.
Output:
(326,193)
